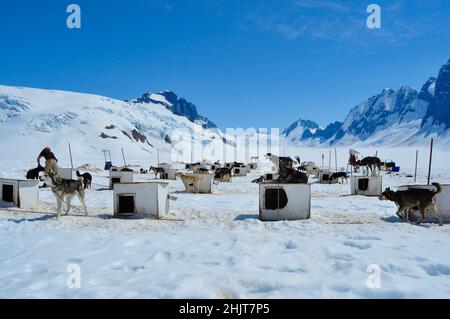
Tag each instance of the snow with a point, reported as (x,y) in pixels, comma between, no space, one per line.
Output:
(214,246)
(160,98)
(432,88)
(32,118)
(208,246)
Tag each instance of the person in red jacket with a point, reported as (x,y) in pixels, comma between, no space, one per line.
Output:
(51,163)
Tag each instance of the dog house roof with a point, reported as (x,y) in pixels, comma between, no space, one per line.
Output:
(13,180)
(143,183)
(275,183)
(421,185)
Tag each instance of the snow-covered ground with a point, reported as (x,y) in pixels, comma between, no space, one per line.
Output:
(214,246)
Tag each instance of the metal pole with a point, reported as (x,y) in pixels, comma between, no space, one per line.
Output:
(70,153)
(335,158)
(157,154)
(123,156)
(415,170)
(431,159)
(329,162)
(323,160)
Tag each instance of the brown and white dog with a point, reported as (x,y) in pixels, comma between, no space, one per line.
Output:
(64,190)
(414,197)
(189,181)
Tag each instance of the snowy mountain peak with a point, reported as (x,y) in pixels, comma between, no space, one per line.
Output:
(178,106)
(428,89)
(93,123)
(439,109)
(301,129)
(402,117)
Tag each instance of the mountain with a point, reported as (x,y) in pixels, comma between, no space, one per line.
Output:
(301,129)
(309,131)
(157,123)
(390,118)
(439,109)
(178,106)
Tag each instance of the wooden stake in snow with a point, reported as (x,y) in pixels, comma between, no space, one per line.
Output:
(157,154)
(415,170)
(431,159)
(70,154)
(323,160)
(123,156)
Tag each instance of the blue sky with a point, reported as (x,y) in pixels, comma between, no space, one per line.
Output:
(243,63)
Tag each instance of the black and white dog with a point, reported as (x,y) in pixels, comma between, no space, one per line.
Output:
(258,180)
(371,163)
(64,190)
(87,179)
(287,174)
(339,177)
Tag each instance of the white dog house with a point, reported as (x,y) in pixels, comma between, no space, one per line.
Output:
(172,169)
(68,173)
(442,201)
(271,176)
(120,175)
(146,199)
(324,176)
(19,193)
(284,201)
(228,165)
(171,173)
(178,166)
(204,186)
(366,185)
(240,171)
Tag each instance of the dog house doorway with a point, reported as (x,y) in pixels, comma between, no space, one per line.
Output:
(8,193)
(363,184)
(127,204)
(275,198)
(115,180)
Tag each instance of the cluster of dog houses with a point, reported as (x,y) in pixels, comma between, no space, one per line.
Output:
(277,201)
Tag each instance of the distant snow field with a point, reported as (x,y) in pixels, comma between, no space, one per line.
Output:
(214,246)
